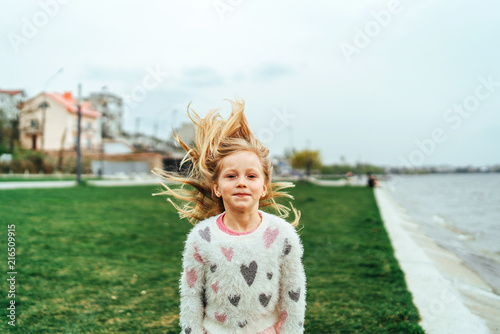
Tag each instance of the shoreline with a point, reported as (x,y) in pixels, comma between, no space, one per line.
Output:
(450,297)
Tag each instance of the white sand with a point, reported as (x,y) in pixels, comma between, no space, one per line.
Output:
(450,297)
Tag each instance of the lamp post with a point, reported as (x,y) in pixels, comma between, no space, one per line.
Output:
(79,132)
(44,105)
(104,123)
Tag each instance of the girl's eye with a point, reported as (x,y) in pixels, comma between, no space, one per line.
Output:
(252,176)
(230,176)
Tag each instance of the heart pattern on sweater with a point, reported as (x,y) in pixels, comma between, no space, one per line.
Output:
(205,234)
(269,276)
(191,277)
(220,317)
(283,316)
(197,255)
(213,267)
(270,236)
(242,324)
(264,300)
(287,248)
(228,253)
(234,299)
(215,286)
(294,295)
(187,330)
(249,272)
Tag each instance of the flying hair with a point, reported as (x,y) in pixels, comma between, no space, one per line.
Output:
(215,139)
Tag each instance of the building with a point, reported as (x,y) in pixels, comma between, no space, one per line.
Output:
(10,101)
(111,108)
(48,122)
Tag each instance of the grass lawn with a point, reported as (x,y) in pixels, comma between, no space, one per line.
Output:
(108,260)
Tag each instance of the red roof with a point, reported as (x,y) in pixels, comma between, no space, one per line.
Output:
(68,101)
(11,92)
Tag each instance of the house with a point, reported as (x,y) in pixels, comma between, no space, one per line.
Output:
(48,122)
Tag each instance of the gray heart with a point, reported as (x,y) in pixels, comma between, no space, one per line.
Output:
(264,300)
(205,234)
(234,299)
(269,275)
(287,248)
(249,272)
(242,324)
(294,295)
(213,267)
(187,330)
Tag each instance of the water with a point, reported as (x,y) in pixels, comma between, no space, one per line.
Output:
(460,211)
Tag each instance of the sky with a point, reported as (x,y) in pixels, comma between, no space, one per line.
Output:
(394,83)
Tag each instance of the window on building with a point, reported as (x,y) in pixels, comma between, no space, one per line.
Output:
(34,123)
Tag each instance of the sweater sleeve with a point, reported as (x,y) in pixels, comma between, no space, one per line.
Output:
(293,286)
(192,294)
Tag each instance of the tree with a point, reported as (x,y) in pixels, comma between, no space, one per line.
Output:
(306,159)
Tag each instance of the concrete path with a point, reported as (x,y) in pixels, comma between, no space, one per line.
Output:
(98,183)
(436,296)
(36,184)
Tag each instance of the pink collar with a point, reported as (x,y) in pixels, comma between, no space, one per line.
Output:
(223,228)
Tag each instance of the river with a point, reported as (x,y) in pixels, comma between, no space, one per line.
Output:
(459,211)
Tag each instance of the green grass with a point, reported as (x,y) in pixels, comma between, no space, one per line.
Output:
(84,256)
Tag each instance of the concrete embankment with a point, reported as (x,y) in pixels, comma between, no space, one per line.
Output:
(450,297)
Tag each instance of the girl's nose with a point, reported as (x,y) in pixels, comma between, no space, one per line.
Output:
(241,182)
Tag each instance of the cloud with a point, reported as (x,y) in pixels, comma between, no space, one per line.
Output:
(272,71)
(201,77)
(109,74)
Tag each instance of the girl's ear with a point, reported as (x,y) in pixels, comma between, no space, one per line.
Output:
(215,189)
(264,190)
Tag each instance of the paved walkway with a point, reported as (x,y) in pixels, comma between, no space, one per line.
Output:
(65,184)
(36,184)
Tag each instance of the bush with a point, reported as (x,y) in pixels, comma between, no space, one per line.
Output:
(30,167)
(4,167)
(36,159)
(47,167)
(17,166)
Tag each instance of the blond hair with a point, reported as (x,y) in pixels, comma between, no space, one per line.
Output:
(215,139)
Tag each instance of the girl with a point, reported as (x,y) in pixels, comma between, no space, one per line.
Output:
(242,267)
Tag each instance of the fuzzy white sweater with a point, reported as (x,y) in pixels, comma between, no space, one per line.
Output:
(242,284)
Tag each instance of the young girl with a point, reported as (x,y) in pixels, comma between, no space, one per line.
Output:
(242,267)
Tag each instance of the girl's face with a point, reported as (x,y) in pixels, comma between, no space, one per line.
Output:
(241,182)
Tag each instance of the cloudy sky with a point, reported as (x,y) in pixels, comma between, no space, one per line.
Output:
(386,82)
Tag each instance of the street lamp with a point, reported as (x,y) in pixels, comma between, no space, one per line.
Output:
(44,105)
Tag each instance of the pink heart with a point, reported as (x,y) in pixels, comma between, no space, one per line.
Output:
(270,236)
(283,317)
(220,317)
(197,255)
(215,287)
(191,277)
(228,253)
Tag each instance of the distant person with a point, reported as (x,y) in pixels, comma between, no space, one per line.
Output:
(242,267)
(372,180)
(348,177)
